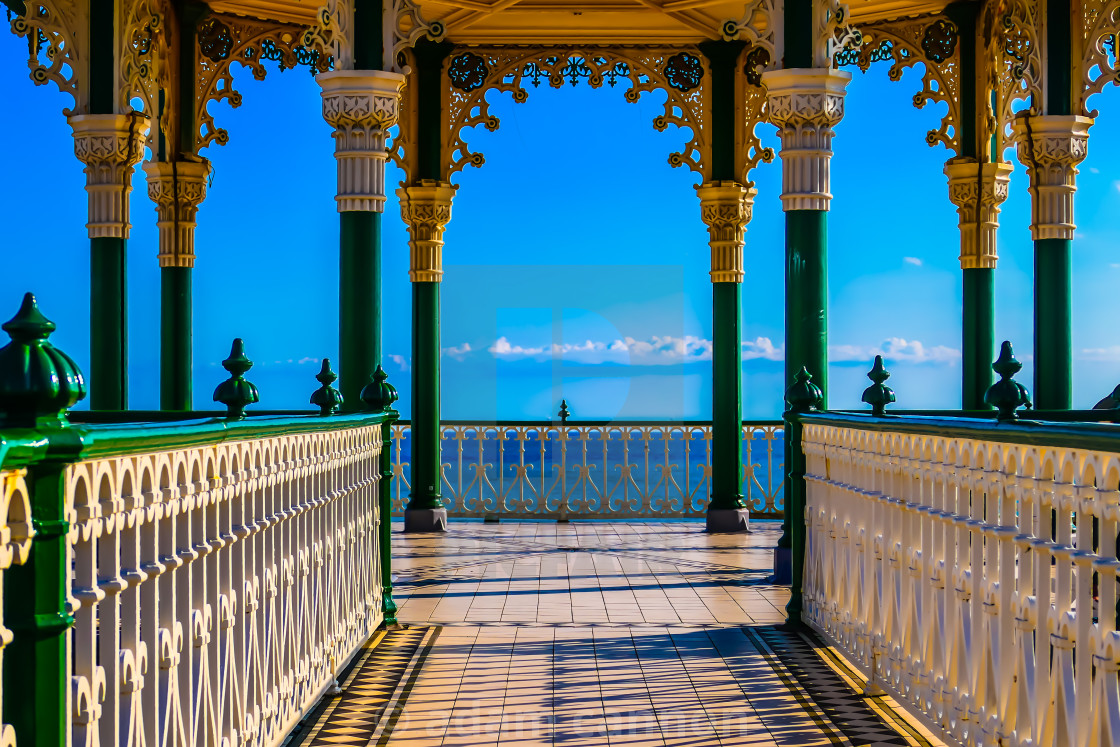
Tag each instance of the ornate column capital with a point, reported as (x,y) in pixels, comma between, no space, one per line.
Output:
(177,188)
(1051,146)
(726,208)
(805,105)
(973,184)
(109,145)
(426,209)
(361,106)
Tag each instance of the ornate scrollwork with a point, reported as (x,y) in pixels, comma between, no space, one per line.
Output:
(834,31)
(406,28)
(1100,25)
(509,69)
(224,40)
(57,35)
(331,34)
(684,71)
(146,62)
(752,94)
(933,41)
(1013,61)
(467,72)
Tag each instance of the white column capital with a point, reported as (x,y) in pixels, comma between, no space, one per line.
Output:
(805,104)
(1051,146)
(177,188)
(726,209)
(426,210)
(110,145)
(978,190)
(361,106)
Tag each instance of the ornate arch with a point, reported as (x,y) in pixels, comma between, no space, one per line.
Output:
(1012,60)
(472,72)
(933,41)
(1097,66)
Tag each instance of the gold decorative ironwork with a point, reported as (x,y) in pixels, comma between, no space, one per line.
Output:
(57,35)
(834,31)
(752,105)
(1010,31)
(1100,29)
(146,66)
(331,34)
(513,70)
(224,40)
(406,28)
(932,41)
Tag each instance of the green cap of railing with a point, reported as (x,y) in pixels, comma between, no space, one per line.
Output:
(803,395)
(38,382)
(379,395)
(235,392)
(326,398)
(1007,395)
(564,413)
(878,395)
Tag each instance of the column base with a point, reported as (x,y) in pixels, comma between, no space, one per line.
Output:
(425,520)
(723,520)
(783,565)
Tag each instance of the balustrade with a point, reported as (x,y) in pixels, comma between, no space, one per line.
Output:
(971,570)
(591,470)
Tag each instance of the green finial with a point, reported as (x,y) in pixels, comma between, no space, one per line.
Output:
(235,392)
(564,413)
(803,395)
(38,382)
(379,395)
(878,395)
(1007,395)
(326,398)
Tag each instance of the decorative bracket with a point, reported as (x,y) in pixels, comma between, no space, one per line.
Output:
(1096,59)
(978,190)
(57,35)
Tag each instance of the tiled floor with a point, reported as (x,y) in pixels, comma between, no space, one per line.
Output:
(589,634)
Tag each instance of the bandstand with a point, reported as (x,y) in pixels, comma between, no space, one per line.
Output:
(244,557)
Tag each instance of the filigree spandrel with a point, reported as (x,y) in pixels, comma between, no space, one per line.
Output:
(330,34)
(224,40)
(146,66)
(515,70)
(834,31)
(752,110)
(406,27)
(1012,60)
(57,38)
(933,41)
(1098,66)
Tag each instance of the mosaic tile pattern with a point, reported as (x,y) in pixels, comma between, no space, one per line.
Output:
(593,635)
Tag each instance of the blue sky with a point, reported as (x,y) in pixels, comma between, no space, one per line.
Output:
(576,263)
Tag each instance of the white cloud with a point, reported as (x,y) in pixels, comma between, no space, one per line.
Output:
(912,261)
(400,360)
(1094,170)
(895,349)
(1115,265)
(763,347)
(458,351)
(1117,185)
(305,361)
(1101,354)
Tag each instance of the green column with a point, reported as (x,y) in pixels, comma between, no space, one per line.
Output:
(425,442)
(807,296)
(727,365)
(1053,284)
(175,338)
(979,314)
(359,298)
(108,317)
(108,286)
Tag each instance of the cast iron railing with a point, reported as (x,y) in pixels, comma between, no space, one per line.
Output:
(591,470)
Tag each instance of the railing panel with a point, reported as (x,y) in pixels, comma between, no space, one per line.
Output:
(623,471)
(974,577)
(219,588)
(15,544)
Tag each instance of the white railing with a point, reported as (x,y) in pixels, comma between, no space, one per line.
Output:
(15,543)
(219,588)
(972,572)
(616,470)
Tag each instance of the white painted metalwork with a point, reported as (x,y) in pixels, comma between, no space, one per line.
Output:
(15,544)
(975,580)
(219,589)
(605,471)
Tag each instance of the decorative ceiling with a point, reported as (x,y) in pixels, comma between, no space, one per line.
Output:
(602,22)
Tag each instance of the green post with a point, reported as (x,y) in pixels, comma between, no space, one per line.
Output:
(38,384)
(725,205)
(426,208)
(176,337)
(108,316)
(379,396)
(807,296)
(359,298)
(1053,323)
(979,335)
(802,396)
